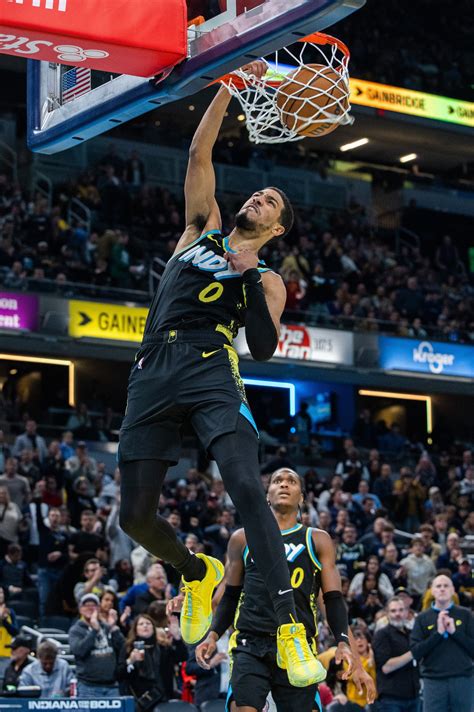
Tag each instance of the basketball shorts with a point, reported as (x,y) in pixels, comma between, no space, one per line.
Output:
(180,376)
(255,673)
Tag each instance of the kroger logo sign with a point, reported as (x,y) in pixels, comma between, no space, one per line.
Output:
(425,353)
(429,357)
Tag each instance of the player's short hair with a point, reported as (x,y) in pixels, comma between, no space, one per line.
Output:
(287,215)
(288,469)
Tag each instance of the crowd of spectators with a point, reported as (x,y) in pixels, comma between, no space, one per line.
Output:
(396,522)
(338,269)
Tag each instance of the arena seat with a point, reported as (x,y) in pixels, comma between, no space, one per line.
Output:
(27,594)
(213,706)
(26,608)
(25,621)
(176,706)
(60,623)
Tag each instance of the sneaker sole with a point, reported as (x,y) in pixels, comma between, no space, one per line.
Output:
(218,568)
(311,681)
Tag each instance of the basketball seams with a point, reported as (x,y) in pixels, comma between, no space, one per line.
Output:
(319,99)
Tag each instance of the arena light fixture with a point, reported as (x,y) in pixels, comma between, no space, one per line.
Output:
(353,144)
(290,387)
(20,358)
(408,157)
(405,396)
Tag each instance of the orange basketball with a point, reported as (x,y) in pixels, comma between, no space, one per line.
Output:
(300,99)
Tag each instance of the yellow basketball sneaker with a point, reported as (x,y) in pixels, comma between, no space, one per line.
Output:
(294,655)
(196,614)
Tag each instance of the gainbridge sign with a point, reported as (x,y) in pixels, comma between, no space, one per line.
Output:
(414,103)
(95,320)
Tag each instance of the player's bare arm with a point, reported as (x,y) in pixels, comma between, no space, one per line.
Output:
(225,612)
(331,581)
(336,612)
(201,209)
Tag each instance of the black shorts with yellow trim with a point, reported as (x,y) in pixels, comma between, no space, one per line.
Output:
(180,376)
(255,674)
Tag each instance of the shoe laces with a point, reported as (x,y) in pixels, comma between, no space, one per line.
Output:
(192,589)
(291,630)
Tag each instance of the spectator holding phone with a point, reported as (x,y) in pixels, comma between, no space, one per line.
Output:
(143,663)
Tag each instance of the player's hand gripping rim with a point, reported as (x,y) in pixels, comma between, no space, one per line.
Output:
(258,68)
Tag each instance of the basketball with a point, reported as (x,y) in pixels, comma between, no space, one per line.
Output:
(306,94)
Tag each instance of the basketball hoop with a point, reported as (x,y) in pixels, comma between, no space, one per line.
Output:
(304,100)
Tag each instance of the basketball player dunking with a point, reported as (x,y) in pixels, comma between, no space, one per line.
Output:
(245,605)
(187,369)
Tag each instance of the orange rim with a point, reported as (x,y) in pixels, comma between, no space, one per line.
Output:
(316,38)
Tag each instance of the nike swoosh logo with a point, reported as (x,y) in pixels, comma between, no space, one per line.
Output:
(206,354)
(280,592)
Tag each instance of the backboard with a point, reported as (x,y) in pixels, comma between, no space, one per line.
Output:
(215,47)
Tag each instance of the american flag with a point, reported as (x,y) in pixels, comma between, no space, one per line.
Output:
(75,82)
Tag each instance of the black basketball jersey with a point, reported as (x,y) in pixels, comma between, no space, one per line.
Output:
(255,613)
(198,289)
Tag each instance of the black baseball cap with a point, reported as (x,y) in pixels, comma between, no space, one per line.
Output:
(22,641)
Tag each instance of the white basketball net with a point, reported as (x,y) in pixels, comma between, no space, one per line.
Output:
(258,97)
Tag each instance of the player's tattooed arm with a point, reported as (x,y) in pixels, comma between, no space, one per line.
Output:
(225,613)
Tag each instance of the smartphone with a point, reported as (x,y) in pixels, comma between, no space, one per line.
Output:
(139,645)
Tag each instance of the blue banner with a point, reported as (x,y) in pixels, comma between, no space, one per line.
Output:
(431,357)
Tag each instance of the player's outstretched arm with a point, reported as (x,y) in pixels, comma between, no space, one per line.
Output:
(225,612)
(336,615)
(200,184)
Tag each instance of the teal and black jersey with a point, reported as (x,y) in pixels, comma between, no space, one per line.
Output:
(255,614)
(198,290)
